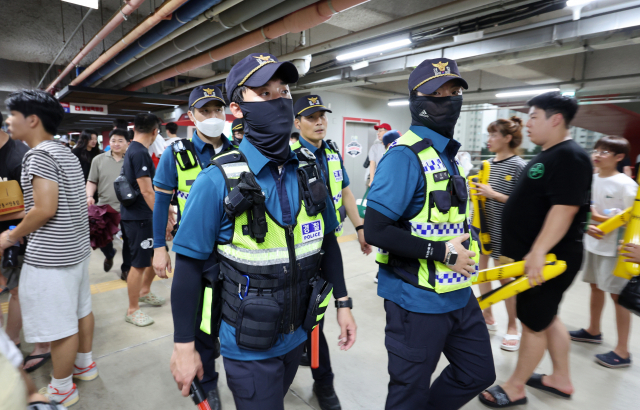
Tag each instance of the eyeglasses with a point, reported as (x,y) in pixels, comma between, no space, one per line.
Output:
(596,152)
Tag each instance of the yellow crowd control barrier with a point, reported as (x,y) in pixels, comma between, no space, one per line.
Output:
(615,222)
(550,271)
(510,270)
(479,214)
(624,269)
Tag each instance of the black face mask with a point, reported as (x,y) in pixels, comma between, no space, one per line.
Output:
(439,114)
(269,126)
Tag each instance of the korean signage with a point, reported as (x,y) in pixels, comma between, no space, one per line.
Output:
(81,108)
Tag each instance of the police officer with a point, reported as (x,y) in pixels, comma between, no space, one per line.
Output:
(237,128)
(177,170)
(259,210)
(418,213)
(311,120)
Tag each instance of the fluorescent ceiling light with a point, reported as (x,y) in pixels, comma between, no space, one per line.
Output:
(525,92)
(569,93)
(396,103)
(357,66)
(374,49)
(168,105)
(85,3)
(573,3)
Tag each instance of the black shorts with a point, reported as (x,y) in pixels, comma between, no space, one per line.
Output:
(538,306)
(140,236)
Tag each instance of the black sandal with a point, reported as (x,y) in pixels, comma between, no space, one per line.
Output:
(502,400)
(44,357)
(535,381)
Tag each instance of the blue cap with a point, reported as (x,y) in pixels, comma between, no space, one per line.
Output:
(309,104)
(431,74)
(256,69)
(203,94)
(389,137)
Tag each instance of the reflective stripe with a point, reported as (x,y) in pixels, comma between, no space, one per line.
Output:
(340,228)
(234,170)
(446,278)
(433,229)
(205,324)
(266,257)
(382,251)
(433,165)
(183,195)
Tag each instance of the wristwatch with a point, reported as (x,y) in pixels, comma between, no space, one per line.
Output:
(344,304)
(452,255)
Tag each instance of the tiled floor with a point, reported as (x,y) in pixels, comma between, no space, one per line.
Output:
(134,362)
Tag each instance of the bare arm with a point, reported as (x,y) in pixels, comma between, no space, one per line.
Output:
(91,190)
(12,216)
(349,202)
(555,227)
(372,171)
(146,189)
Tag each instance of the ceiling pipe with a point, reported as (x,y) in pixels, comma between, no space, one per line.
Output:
(262,19)
(182,15)
(295,22)
(147,24)
(207,15)
(230,21)
(119,16)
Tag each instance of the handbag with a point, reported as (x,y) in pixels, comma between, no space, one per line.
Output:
(124,191)
(630,296)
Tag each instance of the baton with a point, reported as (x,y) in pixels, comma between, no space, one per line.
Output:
(315,347)
(198,396)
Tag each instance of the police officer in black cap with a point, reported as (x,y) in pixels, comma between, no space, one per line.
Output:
(258,209)
(237,128)
(418,214)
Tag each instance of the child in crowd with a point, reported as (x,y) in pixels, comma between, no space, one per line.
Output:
(505,136)
(611,192)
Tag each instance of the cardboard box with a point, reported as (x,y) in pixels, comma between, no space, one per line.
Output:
(11,199)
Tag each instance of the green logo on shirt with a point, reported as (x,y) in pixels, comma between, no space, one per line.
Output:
(536,171)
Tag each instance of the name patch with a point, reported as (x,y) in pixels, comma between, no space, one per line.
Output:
(337,175)
(441,176)
(311,230)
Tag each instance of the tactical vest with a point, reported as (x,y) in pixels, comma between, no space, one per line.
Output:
(335,178)
(266,286)
(444,215)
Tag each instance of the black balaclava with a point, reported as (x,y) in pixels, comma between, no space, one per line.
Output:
(439,114)
(268,126)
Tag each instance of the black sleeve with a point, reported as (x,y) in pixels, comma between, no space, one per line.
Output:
(384,233)
(142,165)
(332,268)
(569,178)
(185,297)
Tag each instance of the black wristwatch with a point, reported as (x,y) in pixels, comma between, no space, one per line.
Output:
(344,304)
(359,227)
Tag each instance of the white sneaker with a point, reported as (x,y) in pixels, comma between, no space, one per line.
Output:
(85,373)
(67,399)
(375,280)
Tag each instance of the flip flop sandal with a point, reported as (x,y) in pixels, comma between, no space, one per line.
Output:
(44,357)
(535,381)
(493,327)
(502,400)
(510,348)
(139,318)
(152,299)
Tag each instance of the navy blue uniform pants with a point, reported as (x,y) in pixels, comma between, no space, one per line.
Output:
(109,252)
(262,384)
(414,344)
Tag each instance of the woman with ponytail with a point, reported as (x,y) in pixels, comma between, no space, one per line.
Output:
(505,136)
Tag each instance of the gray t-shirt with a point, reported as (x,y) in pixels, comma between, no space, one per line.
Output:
(104,170)
(375,154)
(64,239)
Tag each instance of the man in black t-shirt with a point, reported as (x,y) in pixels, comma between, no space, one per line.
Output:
(546,213)
(137,219)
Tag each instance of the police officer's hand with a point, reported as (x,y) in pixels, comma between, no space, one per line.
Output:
(161,262)
(185,365)
(464,265)
(534,264)
(348,329)
(364,246)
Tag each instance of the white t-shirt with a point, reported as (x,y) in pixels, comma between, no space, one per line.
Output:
(157,147)
(617,191)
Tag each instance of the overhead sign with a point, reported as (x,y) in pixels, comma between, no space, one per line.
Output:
(354,148)
(81,108)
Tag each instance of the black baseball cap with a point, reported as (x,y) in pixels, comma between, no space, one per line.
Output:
(237,125)
(431,74)
(309,104)
(256,69)
(203,94)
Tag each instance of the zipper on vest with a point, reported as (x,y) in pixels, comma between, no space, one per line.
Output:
(292,279)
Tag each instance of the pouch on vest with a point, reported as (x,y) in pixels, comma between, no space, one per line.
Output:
(439,206)
(124,191)
(184,155)
(248,196)
(320,297)
(460,198)
(258,322)
(313,189)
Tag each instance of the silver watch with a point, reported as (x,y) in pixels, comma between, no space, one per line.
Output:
(452,255)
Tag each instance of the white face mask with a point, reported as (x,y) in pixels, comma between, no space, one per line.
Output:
(211,127)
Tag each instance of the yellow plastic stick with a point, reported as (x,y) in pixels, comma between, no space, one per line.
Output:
(615,222)
(479,213)
(519,285)
(624,269)
(506,271)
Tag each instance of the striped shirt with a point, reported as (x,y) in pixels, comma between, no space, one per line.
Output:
(503,176)
(64,239)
